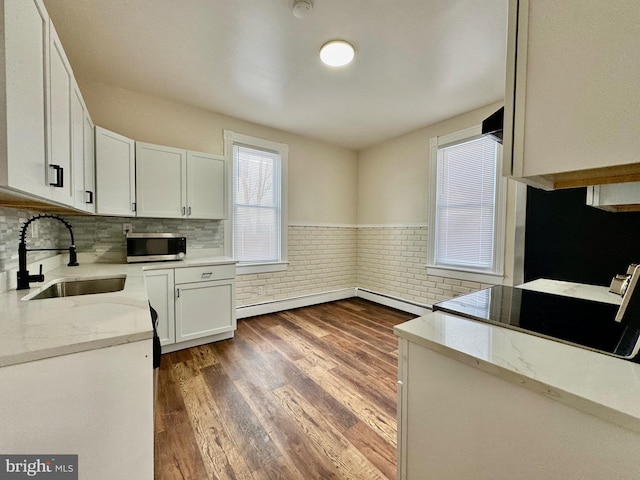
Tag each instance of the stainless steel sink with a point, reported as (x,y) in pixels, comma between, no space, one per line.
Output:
(88,286)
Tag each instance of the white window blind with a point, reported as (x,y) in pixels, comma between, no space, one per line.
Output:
(465,210)
(256,204)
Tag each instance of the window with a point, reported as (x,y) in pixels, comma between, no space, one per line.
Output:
(258,198)
(467,207)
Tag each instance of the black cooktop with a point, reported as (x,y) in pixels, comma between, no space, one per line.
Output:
(584,323)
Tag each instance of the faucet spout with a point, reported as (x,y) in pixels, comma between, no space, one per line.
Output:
(23,276)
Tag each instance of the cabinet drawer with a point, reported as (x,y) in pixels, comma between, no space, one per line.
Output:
(204,274)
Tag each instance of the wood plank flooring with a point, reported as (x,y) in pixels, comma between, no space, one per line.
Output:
(304,394)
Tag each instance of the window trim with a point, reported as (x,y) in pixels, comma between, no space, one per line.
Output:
(231,138)
(471,274)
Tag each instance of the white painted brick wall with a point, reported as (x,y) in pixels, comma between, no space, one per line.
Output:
(321,259)
(391,260)
(387,260)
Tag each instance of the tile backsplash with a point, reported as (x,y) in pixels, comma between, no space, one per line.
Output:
(44,233)
(99,235)
(104,236)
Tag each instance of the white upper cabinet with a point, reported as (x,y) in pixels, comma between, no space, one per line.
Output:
(23,83)
(115,174)
(61,175)
(89,165)
(160,174)
(82,155)
(206,181)
(42,140)
(176,183)
(572,105)
(77,147)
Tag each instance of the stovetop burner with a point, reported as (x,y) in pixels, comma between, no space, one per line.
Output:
(584,323)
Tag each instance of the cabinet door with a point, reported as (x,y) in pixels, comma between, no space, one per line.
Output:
(204,308)
(89,165)
(160,290)
(160,176)
(60,86)
(577,102)
(102,411)
(77,147)
(115,174)
(206,181)
(26,45)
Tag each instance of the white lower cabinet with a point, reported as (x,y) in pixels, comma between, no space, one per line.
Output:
(456,421)
(160,293)
(97,404)
(203,309)
(195,305)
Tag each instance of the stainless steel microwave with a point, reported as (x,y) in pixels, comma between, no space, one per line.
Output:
(154,247)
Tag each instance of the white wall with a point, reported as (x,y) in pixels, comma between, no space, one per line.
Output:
(322,177)
(393,177)
(322,187)
(393,214)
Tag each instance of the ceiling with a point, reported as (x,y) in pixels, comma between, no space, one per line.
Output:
(417,62)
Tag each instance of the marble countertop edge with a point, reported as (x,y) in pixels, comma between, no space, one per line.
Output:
(623,413)
(58,351)
(39,329)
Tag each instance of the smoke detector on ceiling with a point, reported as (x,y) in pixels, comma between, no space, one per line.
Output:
(302,9)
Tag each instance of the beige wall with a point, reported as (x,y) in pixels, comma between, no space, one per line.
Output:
(382,189)
(322,177)
(393,177)
(393,192)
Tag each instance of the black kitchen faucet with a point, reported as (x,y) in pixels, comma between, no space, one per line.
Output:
(23,274)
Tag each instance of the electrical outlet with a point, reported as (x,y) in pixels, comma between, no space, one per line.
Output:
(127,228)
(260,290)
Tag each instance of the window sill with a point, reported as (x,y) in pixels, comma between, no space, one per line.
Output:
(468,275)
(249,268)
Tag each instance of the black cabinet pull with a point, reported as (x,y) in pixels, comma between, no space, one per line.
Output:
(59,176)
(90,201)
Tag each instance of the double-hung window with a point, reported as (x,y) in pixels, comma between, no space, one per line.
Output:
(258,199)
(467,207)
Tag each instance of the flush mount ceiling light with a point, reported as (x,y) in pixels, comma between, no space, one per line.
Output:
(302,9)
(337,53)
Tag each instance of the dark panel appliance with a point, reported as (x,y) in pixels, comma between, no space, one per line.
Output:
(153,247)
(583,323)
(492,125)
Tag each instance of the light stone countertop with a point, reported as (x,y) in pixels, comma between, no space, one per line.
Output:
(38,329)
(597,384)
(596,293)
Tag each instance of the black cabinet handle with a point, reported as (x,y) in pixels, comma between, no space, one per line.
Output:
(59,176)
(133,207)
(189,211)
(90,201)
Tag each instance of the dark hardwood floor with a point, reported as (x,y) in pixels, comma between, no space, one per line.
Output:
(303,394)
